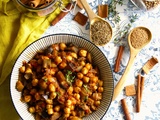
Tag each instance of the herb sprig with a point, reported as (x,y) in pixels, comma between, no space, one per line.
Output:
(69,77)
(123,32)
(113,13)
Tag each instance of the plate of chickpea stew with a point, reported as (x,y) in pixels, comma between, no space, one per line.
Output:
(61,77)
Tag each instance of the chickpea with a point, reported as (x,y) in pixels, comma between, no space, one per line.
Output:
(19,86)
(27,98)
(97,103)
(84,70)
(69,58)
(82,63)
(62,65)
(74,55)
(43,85)
(68,103)
(66,115)
(57,108)
(48,106)
(53,64)
(53,71)
(77,96)
(58,60)
(76,89)
(100,89)
(56,46)
(35,82)
(79,83)
(83,53)
(32,109)
(33,91)
(67,110)
(49,101)
(28,70)
(94,79)
(62,46)
(97,96)
(72,107)
(88,66)
(22,69)
(74,101)
(100,83)
(70,90)
(52,88)
(73,113)
(79,75)
(93,86)
(86,79)
(50,111)
(52,95)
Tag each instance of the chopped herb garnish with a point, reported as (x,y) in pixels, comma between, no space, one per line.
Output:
(85,98)
(58,93)
(69,77)
(86,87)
(45,79)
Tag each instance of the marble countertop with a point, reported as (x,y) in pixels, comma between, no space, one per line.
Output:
(150,105)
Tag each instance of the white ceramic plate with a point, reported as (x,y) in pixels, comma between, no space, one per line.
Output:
(98,57)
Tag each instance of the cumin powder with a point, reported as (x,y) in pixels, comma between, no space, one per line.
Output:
(139,37)
(101,32)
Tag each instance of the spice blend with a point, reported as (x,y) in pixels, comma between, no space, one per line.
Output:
(139,37)
(101,32)
(150,4)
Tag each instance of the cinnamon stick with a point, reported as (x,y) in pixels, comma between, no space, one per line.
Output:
(125,109)
(61,15)
(141,88)
(118,60)
(103,10)
(138,100)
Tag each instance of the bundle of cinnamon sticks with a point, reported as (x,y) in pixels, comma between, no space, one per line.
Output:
(36,3)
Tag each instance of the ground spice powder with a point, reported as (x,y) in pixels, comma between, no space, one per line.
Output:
(101,32)
(139,37)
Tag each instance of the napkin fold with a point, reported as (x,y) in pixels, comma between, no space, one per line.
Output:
(17,31)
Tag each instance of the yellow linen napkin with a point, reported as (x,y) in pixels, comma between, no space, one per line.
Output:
(17,30)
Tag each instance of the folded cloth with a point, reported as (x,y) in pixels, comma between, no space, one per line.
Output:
(18,30)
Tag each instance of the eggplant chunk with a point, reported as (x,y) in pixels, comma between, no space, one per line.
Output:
(62,80)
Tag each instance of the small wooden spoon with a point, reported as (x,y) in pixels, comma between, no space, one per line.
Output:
(133,52)
(93,17)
